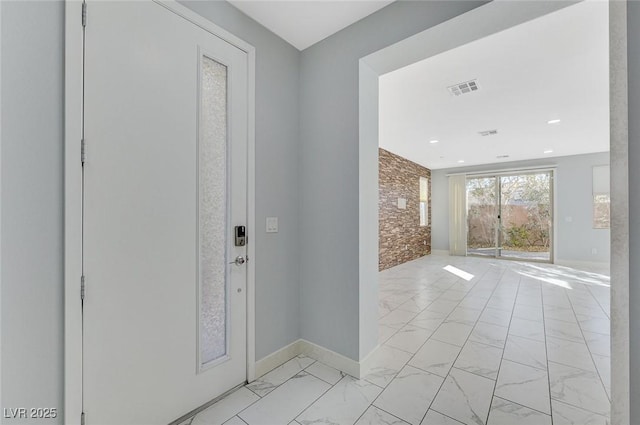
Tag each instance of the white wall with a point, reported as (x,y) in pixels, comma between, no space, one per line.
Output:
(575,239)
(32,220)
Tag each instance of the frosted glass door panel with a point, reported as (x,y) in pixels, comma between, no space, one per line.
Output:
(213,212)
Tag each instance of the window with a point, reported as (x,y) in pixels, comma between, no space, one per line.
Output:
(601,197)
(212,213)
(424,201)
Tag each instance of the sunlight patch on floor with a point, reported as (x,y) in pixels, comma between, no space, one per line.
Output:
(561,273)
(460,273)
(562,283)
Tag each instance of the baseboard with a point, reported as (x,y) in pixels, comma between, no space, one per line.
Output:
(439,252)
(365,363)
(583,265)
(277,358)
(330,358)
(316,352)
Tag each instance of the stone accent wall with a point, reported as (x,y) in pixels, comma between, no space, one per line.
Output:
(401,237)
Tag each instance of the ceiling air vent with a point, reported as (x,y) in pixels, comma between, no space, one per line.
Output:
(464,88)
(488,133)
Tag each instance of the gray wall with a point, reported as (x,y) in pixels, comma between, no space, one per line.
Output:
(633,49)
(329,160)
(277,147)
(32,197)
(32,210)
(575,239)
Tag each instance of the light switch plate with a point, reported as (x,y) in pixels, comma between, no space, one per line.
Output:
(272,224)
(402,203)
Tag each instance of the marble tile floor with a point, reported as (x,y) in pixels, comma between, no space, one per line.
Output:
(516,344)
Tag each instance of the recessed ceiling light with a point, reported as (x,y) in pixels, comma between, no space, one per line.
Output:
(549,151)
(553,121)
(461,161)
(433,141)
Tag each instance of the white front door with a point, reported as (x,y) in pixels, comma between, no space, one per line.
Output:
(165,183)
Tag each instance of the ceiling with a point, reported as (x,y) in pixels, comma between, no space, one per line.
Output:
(304,23)
(554,67)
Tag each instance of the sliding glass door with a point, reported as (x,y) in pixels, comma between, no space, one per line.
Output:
(482,216)
(510,215)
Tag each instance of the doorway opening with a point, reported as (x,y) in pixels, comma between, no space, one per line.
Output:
(390,59)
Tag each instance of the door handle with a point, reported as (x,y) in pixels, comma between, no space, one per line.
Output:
(240,260)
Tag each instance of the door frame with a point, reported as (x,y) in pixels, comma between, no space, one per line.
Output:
(74,131)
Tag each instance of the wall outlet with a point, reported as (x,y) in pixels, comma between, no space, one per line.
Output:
(272,224)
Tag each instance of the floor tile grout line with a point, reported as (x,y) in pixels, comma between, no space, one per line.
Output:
(343,374)
(295,418)
(275,387)
(474,373)
(445,378)
(236,416)
(237,413)
(468,292)
(595,365)
(416,314)
(467,339)
(434,397)
(486,305)
(541,305)
(571,404)
(444,320)
(253,392)
(495,386)
(579,408)
(379,408)
(440,413)
(546,351)
(260,398)
(522,405)
(432,332)
(524,364)
(606,311)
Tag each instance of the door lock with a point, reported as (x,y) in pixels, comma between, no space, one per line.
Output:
(240,233)
(240,260)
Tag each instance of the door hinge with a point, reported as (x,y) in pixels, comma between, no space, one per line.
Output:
(83,151)
(82,418)
(82,288)
(84,14)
